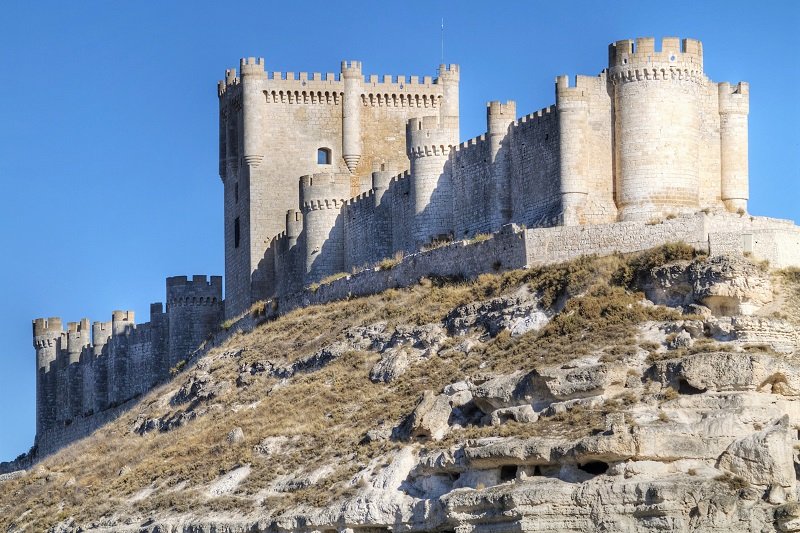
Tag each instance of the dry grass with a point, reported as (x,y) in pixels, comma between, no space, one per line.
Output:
(327,412)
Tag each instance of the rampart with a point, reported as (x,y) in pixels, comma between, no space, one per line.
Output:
(83,372)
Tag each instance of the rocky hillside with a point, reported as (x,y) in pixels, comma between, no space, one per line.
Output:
(657,392)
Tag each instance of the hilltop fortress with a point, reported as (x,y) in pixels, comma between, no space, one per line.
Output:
(328,175)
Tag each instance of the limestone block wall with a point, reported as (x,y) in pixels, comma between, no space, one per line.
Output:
(473,187)
(535,171)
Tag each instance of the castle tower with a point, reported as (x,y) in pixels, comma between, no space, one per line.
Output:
(449,77)
(657,105)
(734,105)
(428,146)
(78,342)
(195,310)
(572,104)
(499,118)
(294,226)
(47,333)
(351,114)
(253,109)
(322,197)
(381,180)
(101,333)
(118,367)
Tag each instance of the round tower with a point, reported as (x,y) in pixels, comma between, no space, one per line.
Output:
(47,334)
(194,309)
(253,109)
(381,180)
(449,77)
(322,197)
(101,333)
(351,114)
(78,340)
(657,115)
(734,105)
(572,104)
(499,117)
(294,226)
(428,145)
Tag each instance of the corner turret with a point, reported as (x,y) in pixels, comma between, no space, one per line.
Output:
(47,335)
(351,114)
(253,77)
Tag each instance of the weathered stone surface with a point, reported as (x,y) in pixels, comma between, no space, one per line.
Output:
(726,285)
(763,458)
(430,417)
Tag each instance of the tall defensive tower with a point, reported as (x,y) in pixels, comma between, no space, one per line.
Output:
(657,108)
(47,334)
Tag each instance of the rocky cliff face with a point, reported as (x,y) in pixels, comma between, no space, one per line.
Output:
(659,392)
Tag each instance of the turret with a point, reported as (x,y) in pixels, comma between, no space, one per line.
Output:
(428,147)
(78,342)
(322,197)
(449,77)
(47,333)
(122,322)
(351,114)
(195,311)
(101,334)
(658,97)
(572,104)
(294,226)
(253,77)
(734,106)
(381,180)
(499,117)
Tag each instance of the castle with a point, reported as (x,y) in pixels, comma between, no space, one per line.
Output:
(328,175)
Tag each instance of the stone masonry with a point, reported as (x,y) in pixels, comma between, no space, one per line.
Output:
(330,174)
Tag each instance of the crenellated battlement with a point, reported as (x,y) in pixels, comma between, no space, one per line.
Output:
(686,53)
(50,327)
(426,136)
(252,66)
(480,140)
(679,60)
(324,191)
(200,290)
(531,120)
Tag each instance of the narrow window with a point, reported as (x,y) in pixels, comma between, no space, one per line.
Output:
(236,233)
(324,156)
(236,191)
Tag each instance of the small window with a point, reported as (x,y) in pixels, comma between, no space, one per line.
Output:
(236,191)
(324,156)
(236,233)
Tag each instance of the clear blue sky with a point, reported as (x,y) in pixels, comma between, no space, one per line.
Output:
(108,144)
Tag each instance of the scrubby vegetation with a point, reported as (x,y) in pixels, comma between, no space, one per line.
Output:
(294,426)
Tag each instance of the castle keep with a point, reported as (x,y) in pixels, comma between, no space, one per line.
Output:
(331,174)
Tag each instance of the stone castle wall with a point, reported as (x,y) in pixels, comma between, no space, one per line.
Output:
(84,372)
(650,137)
